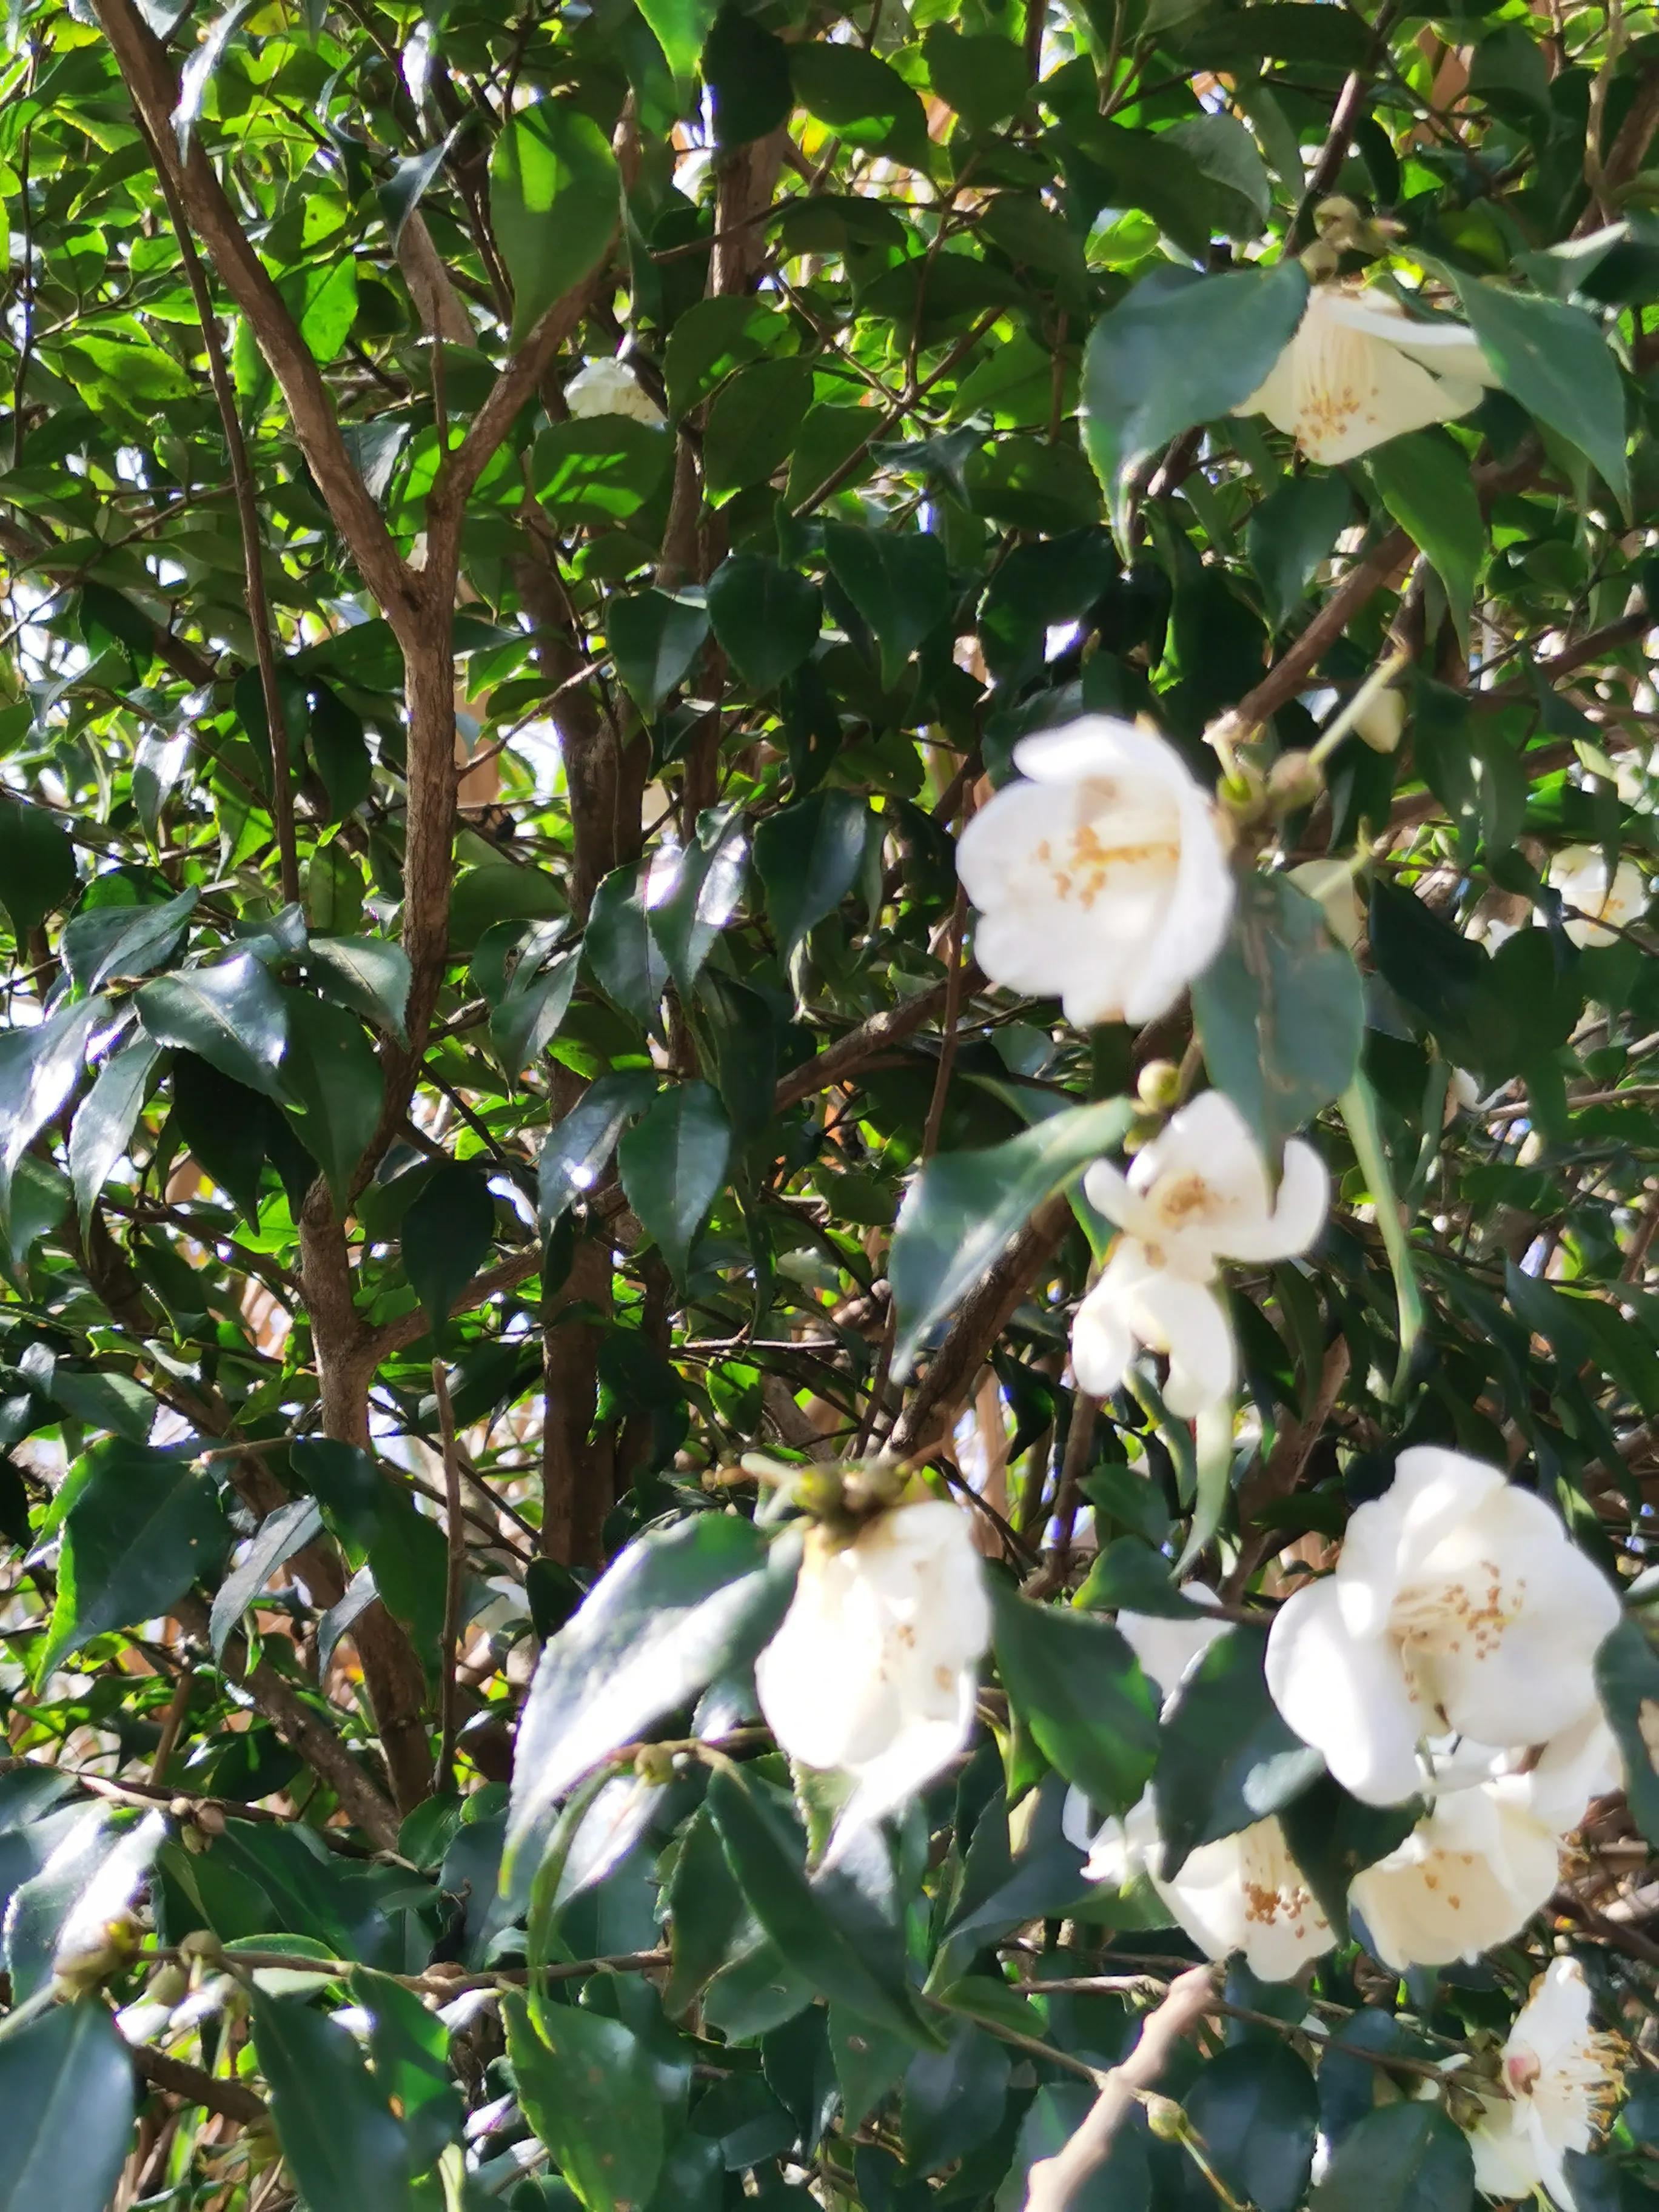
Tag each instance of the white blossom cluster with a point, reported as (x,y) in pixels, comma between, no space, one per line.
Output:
(1447,1661)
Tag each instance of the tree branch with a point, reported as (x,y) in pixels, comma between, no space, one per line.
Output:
(228,2099)
(154,90)
(1054,2183)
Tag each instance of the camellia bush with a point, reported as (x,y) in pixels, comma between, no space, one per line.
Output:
(828,1106)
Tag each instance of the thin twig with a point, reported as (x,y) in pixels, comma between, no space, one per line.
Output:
(1054,2183)
(443,1772)
(247,515)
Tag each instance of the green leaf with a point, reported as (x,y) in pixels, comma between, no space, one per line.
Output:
(1405,2158)
(447,1235)
(579,1147)
(365,973)
(861,99)
(849,1964)
(746,70)
(1332,1838)
(342,2144)
(37,864)
(1169,357)
(712,338)
(325,305)
(113,941)
(899,582)
(227,1128)
(1553,359)
(67,2106)
(554,193)
(953,2099)
(680,1606)
(752,426)
(1291,534)
(621,949)
(693,893)
(681,27)
(1280,1011)
(331,1069)
(982,77)
(766,618)
(528,1020)
(653,637)
(808,858)
(1364,1132)
(1077,1687)
(588,2088)
(334,890)
(673,1163)
(1225,1759)
(39,1068)
(142,1527)
(1627,1676)
(280,1536)
(232,1016)
(106,1118)
(965,1209)
(1256,2112)
(1426,488)
(410,2047)
(600,468)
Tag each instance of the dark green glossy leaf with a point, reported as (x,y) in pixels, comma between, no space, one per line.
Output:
(965,1208)
(141,1528)
(336,2131)
(1280,1011)
(673,1163)
(1256,2112)
(808,858)
(765,617)
(1170,355)
(331,1068)
(1076,1684)
(231,1014)
(553,195)
(579,1148)
(37,864)
(746,70)
(900,583)
(678,1608)
(67,2104)
(280,1534)
(1225,1759)
(447,1235)
(1406,2158)
(588,2088)
(1555,362)
(654,636)
(1627,1676)
(801,1916)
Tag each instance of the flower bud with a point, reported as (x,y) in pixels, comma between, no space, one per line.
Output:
(168,1984)
(90,1958)
(1157,1087)
(1164,2118)
(1382,723)
(1294,782)
(655,1763)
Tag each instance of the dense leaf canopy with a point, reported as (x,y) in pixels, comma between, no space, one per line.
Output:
(529,535)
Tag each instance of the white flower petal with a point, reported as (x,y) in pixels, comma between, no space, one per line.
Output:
(1246,1893)
(1298,1213)
(1100,874)
(1389,1539)
(873,1671)
(1346,1696)
(1471,1874)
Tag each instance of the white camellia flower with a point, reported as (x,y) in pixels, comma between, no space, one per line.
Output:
(1197,1195)
(1100,874)
(609,387)
(873,1671)
(1360,371)
(1564,2082)
(1458,1606)
(1579,873)
(1471,1874)
(1243,1894)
